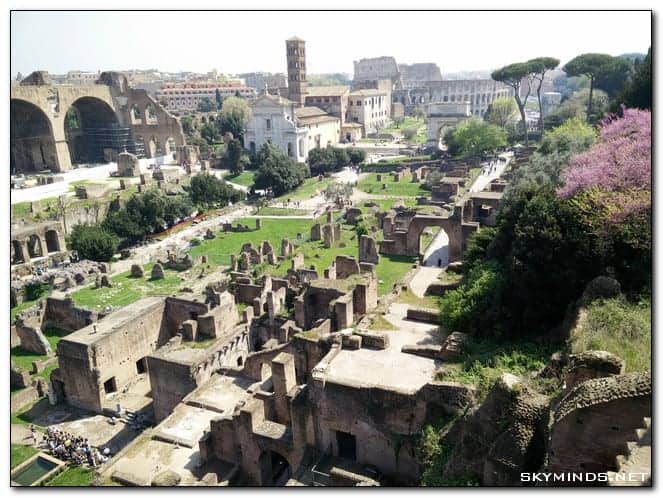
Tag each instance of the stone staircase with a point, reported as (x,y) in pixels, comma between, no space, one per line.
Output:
(634,465)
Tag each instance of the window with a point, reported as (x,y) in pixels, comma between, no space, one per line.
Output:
(110,386)
(268,124)
(141,365)
(347,445)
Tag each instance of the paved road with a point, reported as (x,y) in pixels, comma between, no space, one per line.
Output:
(490,173)
(424,276)
(90,174)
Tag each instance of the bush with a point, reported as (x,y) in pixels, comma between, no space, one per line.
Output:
(34,291)
(360,229)
(93,242)
(278,172)
(209,191)
(357,156)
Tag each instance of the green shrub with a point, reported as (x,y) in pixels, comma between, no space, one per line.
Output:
(93,242)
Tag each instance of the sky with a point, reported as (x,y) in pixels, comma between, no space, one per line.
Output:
(236,42)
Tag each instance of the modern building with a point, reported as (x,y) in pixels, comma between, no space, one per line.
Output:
(370,108)
(187,95)
(274,82)
(293,129)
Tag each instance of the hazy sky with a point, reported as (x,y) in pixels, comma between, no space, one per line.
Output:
(236,42)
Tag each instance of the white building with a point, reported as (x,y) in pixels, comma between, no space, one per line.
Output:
(370,108)
(294,130)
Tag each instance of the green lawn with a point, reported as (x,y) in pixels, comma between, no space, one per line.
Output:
(127,289)
(20,210)
(307,189)
(277,211)
(220,248)
(385,204)
(72,476)
(244,178)
(24,358)
(20,453)
(405,187)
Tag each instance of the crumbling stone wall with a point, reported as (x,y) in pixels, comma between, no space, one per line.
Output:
(595,420)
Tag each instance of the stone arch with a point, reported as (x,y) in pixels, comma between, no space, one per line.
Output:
(170,145)
(35,247)
(88,142)
(32,145)
(275,470)
(136,115)
(17,252)
(151,147)
(452,227)
(52,241)
(151,115)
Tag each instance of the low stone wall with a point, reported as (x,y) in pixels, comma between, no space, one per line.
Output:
(423,315)
(23,397)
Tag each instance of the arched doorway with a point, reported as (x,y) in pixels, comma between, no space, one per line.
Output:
(34,247)
(52,241)
(434,249)
(171,145)
(274,469)
(151,148)
(32,147)
(17,255)
(92,129)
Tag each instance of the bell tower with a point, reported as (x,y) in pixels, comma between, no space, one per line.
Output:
(296,56)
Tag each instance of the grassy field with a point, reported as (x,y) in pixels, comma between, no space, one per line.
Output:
(20,453)
(244,178)
(408,122)
(72,476)
(385,204)
(307,189)
(24,358)
(220,248)
(619,326)
(405,187)
(381,323)
(484,361)
(277,211)
(127,289)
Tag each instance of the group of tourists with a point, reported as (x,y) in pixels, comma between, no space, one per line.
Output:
(71,448)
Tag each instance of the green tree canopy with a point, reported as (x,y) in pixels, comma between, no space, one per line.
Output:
(501,112)
(209,191)
(93,242)
(540,66)
(474,137)
(513,75)
(277,171)
(594,66)
(206,105)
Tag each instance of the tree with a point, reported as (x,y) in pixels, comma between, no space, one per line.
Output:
(419,113)
(513,75)
(398,121)
(205,105)
(327,160)
(474,137)
(593,66)
(209,133)
(187,124)
(638,91)
(576,106)
(338,193)
(219,99)
(234,156)
(145,213)
(357,156)
(277,171)
(409,132)
(540,66)
(209,191)
(501,112)
(93,242)
(235,113)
